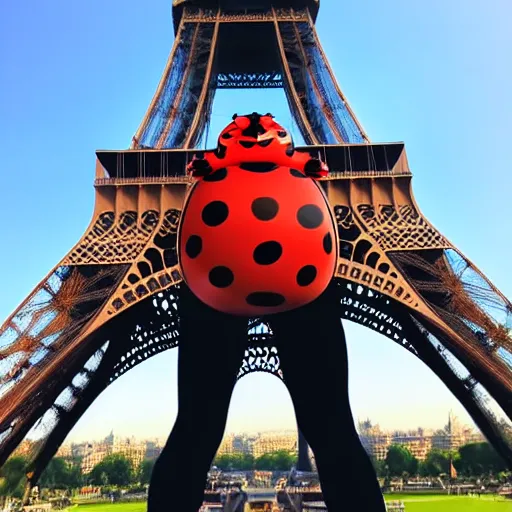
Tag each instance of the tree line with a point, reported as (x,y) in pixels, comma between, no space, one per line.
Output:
(116,470)
(63,473)
(281,460)
(471,460)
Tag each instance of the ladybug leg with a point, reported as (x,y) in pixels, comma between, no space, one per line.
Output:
(321,400)
(316,169)
(199,167)
(212,344)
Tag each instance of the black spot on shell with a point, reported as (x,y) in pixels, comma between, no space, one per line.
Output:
(310,216)
(227,136)
(246,144)
(218,175)
(327,243)
(306,275)
(194,246)
(215,213)
(265,143)
(201,167)
(267,253)
(258,166)
(297,174)
(220,152)
(290,150)
(282,134)
(221,277)
(313,166)
(265,299)
(264,208)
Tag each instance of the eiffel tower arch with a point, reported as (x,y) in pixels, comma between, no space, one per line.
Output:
(113,301)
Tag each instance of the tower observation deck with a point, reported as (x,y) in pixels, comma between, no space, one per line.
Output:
(245,6)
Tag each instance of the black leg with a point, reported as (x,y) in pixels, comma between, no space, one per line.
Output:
(314,360)
(211,349)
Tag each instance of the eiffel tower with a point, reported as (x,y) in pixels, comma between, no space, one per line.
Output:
(112,302)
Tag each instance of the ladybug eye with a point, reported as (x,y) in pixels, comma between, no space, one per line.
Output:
(282,134)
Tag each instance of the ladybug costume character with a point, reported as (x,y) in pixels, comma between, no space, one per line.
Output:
(257,235)
(257,238)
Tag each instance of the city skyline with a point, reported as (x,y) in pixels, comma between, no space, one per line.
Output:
(112,434)
(95,99)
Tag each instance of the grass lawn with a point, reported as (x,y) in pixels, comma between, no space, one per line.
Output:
(419,503)
(413,503)
(115,507)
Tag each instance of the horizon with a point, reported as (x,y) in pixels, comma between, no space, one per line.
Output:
(248,433)
(447,96)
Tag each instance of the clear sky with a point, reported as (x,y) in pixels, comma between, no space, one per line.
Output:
(78,76)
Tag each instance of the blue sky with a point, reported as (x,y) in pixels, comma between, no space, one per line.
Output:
(78,76)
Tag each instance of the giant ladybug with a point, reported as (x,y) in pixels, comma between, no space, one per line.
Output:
(257,235)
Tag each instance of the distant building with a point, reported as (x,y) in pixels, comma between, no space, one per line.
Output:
(270,443)
(454,435)
(257,444)
(94,453)
(132,449)
(374,440)
(419,442)
(226,447)
(92,459)
(80,450)
(65,451)
(418,446)
(153,450)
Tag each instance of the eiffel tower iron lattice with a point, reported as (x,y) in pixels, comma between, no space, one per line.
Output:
(113,301)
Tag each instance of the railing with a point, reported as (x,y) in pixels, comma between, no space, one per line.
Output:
(141,180)
(366,174)
(206,15)
(164,180)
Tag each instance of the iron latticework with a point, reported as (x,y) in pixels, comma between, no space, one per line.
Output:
(113,301)
(280,49)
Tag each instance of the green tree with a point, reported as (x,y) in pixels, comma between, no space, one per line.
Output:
(145,470)
(245,462)
(114,469)
(12,477)
(436,463)
(60,474)
(281,460)
(477,459)
(222,462)
(264,462)
(234,462)
(400,460)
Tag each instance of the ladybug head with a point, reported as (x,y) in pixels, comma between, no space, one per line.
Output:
(254,131)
